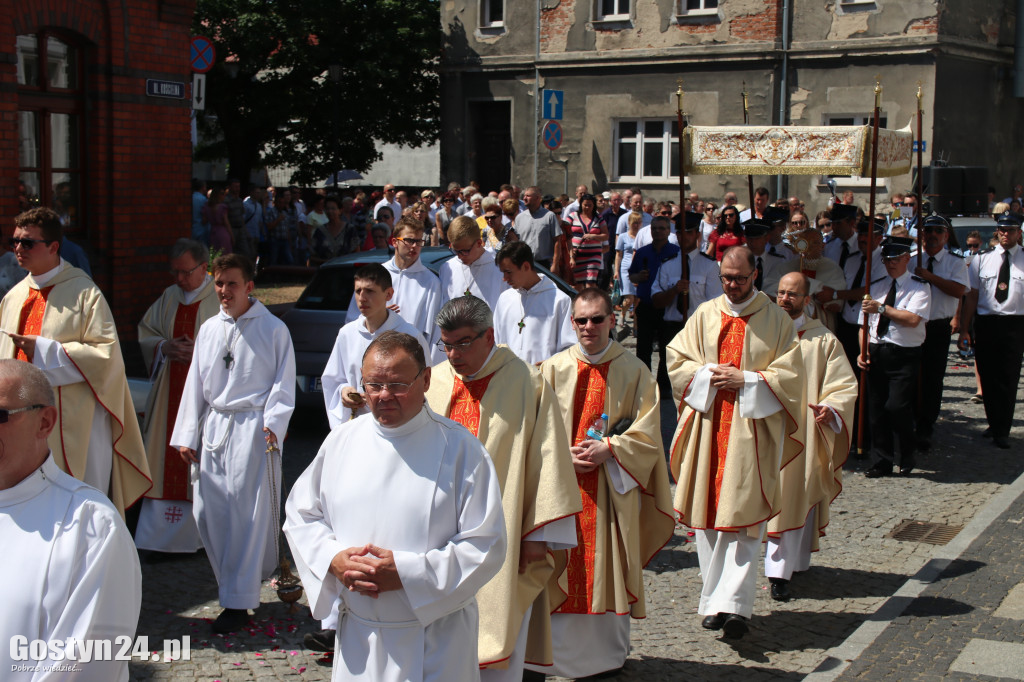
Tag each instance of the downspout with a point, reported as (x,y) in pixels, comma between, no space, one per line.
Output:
(1018,53)
(536,100)
(784,81)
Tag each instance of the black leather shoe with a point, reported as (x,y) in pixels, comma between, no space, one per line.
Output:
(230,620)
(880,469)
(533,676)
(321,640)
(780,589)
(735,626)
(987,433)
(713,622)
(905,471)
(1001,442)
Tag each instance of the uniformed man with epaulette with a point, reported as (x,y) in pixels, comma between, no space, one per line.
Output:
(778,222)
(686,281)
(755,233)
(995,303)
(896,315)
(946,273)
(843,245)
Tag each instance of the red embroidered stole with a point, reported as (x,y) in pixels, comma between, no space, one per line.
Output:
(31,320)
(588,404)
(176,471)
(465,404)
(810,273)
(730,350)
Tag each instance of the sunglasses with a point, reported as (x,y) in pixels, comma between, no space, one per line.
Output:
(934,230)
(26,243)
(5,414)
(797,222)
(596,319)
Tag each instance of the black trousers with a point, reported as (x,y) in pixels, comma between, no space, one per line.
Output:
(849,336)
(934,358)
(998,350)
(648,329)
(892,385)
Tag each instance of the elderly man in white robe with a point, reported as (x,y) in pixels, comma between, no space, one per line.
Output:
(400,515)
(532,318)
(238,398)
(74,573)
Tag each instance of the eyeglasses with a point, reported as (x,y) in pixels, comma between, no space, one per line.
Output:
(185,273)
(665,213)
(491,216)
(825,223)
(789,294)
(397,389)
(1005,228)
(973,246)
(596,319)
(798,222)
(731,215)
(26,243)
(461,252)
(934,229)
(447,201)
(389,191)
(736,279)
(911,204)
(449,347)
(5,414)
(410,241)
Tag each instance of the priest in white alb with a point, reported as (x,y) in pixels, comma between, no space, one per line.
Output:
(238,398)
(167,336)
(821,272)
(71,571)
(623,481)
(532,317)
(57,319)
(508,406)
(736,377)
(809,483)
(400,516)
(473,271)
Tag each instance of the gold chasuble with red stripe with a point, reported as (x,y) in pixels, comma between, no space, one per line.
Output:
(31,320)
(466,402)
(730,351)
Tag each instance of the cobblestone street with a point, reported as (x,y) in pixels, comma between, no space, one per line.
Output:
(855,572)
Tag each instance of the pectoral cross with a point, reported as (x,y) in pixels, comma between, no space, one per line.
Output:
(520,324)
(468,292)
(228,359)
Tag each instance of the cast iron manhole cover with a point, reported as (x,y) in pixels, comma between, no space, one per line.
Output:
(924,531)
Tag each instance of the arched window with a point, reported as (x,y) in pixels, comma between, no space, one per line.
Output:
(50,116)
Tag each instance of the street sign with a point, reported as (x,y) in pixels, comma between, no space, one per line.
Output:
(553,104)
(171,89)
(199,91)
(552,135)
(924,146)
(202,54)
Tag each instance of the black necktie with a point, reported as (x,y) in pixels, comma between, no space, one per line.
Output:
(683,299)
(883,321)
(844,255)
(858,279)
(931,263)
(760,274)
(1003,281)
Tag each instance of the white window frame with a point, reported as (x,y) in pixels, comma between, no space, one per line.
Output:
(485,15)
(855,181)
(667,139)
(844,6)
(703,10)
(617,16)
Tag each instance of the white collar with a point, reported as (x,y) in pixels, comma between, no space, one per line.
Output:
(596,357)
(738,308)
(490,355)
(799,322)
(191,296)
(1012,250)
(540,286)
(45,278)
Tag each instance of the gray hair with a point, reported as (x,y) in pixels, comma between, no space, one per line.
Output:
(33,386)
(191,247)
(489,202)
(465,311)
(390,342)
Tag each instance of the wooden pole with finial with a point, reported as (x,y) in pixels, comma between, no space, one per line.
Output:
(920,177)
(864,356)
(750,178)
(682,153)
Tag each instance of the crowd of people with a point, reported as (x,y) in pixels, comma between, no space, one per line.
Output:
(495,479)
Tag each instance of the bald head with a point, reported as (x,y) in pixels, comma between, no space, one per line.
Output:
(739,256)
(792,295)
(796,281)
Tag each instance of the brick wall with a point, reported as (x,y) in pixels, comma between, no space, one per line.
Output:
(137,149)
(761,25)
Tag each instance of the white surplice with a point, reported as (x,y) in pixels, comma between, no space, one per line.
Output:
(222,414)
(429,494)
(73,572)
(345,366)
(545,315)
(481,278)
(418,297)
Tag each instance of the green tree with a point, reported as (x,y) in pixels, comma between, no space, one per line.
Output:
(270,96)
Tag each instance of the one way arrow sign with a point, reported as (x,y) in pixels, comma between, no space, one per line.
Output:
(199,91)
(553,104)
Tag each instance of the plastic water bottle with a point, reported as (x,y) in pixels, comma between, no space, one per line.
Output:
(597,429)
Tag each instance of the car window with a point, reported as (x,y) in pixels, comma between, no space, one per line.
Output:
(331,289)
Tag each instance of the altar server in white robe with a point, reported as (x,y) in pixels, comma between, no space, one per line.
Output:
(73,571)
(532,318)
(342,376)
(473,271)
(238,398)
(417,290)
(400,515)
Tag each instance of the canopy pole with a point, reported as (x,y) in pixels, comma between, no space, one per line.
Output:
(682,155)
(920,177)
(864,355)
(750,178)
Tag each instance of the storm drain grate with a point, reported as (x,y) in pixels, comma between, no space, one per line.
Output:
(924,531)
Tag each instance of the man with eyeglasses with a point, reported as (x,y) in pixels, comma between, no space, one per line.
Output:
(72,569)
(686,281)
(417,290)
(399,519)
(995,304)
(736,374)
(513,411)
(946,273)
(621,476)
(389,201)
(473,271)
(809,483)
(58,320)
(908,217)
(821,272)
(167,337)
(844,231)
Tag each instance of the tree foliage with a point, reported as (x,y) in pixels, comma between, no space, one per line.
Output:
(270,99)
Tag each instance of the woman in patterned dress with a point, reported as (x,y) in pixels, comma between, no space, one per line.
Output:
(589,242)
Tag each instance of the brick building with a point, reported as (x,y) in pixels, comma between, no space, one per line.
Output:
(803,62)
(79,131)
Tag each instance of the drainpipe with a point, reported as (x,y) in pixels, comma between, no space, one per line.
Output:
(1018,53)
(784,80)
(536,100)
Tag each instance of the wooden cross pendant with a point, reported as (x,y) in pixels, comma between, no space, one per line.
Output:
(521,324)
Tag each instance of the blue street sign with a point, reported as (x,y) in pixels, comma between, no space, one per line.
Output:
(552,100)
(552,135)
(924,146)
(171,89)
